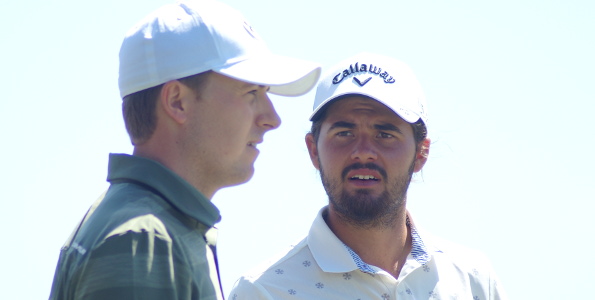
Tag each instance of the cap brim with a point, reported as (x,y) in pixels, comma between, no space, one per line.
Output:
(285,76)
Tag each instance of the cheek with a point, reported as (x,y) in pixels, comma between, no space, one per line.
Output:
(234,119)
(239,117)
(330,160)
(401,158)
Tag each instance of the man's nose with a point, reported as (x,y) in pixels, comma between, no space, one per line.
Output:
(269,117)
(364,150)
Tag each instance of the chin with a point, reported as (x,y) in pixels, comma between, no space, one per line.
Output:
(243,176)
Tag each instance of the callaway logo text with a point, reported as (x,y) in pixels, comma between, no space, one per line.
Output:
(363,68)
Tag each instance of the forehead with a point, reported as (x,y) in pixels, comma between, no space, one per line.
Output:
(358,106)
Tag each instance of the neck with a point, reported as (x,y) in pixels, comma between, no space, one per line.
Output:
(386,247)
(170,159)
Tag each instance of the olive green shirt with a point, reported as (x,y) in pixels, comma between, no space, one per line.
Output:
(145,238)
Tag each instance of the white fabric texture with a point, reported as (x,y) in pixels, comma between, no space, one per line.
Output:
(322,267)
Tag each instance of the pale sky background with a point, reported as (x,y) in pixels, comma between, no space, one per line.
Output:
(510,88)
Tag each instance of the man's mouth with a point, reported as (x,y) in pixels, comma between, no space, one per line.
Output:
(363,177)
(254,144)
(359,172)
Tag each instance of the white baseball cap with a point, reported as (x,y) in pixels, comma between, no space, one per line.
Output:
(191,37)
(384,79)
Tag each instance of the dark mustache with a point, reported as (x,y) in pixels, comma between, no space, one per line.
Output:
(370,166)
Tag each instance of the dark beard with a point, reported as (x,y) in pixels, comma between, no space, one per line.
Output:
(362,210)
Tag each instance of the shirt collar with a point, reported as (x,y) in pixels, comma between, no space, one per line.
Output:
(328,251)
(332,255)
(177,191)
(419,251)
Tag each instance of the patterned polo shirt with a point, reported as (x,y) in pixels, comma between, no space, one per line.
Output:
(149,236)
(322,267)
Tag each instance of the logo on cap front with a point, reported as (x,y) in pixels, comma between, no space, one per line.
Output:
(361,83)
(362,69)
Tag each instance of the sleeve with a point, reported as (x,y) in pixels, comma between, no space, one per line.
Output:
(483,278)
(245,289)
(496,289)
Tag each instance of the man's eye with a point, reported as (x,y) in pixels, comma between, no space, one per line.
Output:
(344,133)
(385,135)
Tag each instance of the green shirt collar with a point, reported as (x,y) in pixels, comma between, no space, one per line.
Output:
(177,191)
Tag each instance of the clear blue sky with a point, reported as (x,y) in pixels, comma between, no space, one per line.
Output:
(510,92)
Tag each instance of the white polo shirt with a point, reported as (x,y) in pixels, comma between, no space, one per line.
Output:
(322,267)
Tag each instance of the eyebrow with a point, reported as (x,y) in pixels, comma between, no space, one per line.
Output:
(342,124)
(387,127)
(383,127)
(248,85)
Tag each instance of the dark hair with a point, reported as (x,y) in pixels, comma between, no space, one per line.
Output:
(420,130)
(138,109)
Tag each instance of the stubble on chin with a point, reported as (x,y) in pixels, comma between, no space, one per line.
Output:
(363,210)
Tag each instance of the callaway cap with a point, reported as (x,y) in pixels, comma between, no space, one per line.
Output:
(384,79)
(191,37)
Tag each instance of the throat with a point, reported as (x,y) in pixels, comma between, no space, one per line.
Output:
(385,248)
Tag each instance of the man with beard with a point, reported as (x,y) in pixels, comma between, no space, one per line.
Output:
(368,137)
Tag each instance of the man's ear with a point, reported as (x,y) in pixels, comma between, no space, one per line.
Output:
(312,150)
(172,100)
(421,157)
